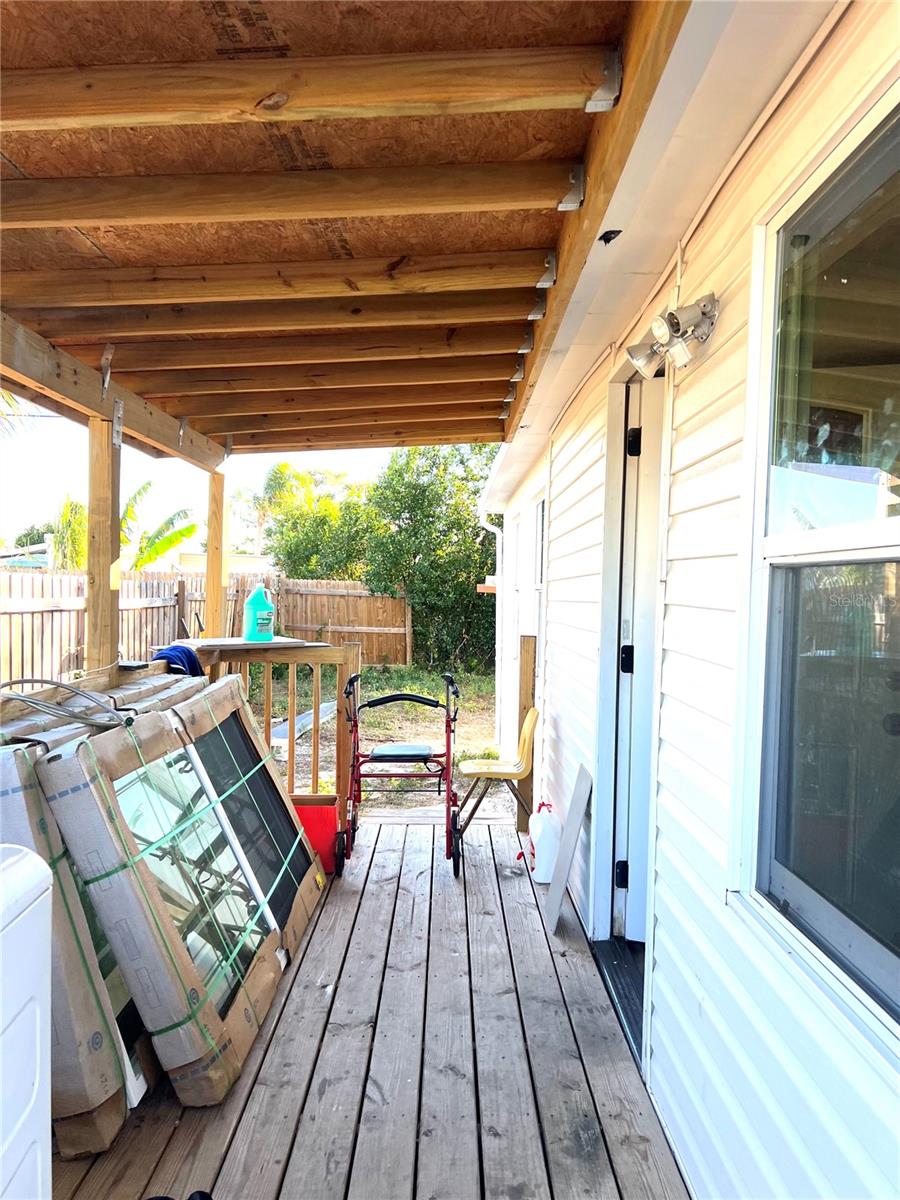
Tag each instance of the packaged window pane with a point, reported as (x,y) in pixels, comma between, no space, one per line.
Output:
(185,914)
(88,1101)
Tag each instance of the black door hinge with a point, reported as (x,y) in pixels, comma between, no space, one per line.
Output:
(626,660)
(621,874)
(633,442)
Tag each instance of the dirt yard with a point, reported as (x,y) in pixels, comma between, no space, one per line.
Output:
(395,723)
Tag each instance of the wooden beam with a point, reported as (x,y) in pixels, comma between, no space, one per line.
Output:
(360,433)
(29,360)
(329,399)
(216,567)
(307,89)
(437,414)
(101,630)
(362,346)
(270,316)
(357,439)
(398,373)
(398,275)
(116,200)
(650,36)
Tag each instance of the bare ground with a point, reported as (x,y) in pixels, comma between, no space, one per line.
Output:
(397,723)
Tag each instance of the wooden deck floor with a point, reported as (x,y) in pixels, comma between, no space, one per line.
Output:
(431,1041)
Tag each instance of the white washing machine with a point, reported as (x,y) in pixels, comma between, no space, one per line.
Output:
(25,922)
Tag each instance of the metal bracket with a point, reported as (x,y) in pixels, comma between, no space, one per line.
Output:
(511,394)
(118,421)
(574,197)
(229,442)
(519,373)
(607,94)
(527,341)
(540,307)
(549,276)
(504,412)
(182,426)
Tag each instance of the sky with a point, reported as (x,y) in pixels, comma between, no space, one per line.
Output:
(45,459)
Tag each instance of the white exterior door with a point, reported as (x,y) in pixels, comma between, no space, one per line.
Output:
(637,669)
(574,564)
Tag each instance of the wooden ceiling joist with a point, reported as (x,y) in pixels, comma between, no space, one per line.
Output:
(399,373)
(436,415)
(357,438)
(292,195)
(335,399)
(306,89)
(424,433)
(28,360)
(269,316)
(650,36)
(455,342)
(402,274)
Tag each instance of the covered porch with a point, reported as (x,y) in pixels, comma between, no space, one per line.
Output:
(432,1039)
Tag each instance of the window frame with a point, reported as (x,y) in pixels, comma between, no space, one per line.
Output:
(875,541)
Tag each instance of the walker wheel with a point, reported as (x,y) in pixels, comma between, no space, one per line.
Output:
(455,841)
(340,854)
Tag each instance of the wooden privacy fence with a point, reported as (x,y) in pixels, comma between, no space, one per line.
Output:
(42,618)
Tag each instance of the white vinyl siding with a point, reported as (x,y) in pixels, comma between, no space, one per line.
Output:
(573,572)
(767,1084)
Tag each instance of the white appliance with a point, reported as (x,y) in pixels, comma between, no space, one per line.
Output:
(25,916)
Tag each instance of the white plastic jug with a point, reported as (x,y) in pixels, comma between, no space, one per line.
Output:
(545,832)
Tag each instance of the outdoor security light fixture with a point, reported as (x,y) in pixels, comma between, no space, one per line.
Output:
(672,331)
(646,358)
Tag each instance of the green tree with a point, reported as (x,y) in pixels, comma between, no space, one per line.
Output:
(150,546)
(70,535)
(34,534)
(426,540)
(317,524)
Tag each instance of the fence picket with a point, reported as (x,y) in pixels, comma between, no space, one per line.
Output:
(42,618)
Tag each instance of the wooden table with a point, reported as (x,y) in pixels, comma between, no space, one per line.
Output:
(213,653)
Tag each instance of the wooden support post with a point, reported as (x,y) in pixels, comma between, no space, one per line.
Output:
(104,547)
(409,635)
(182,629)
(245,678)
(317,725)
(267,703)
(292,729)
(527,660)
(349,666)
(216,577)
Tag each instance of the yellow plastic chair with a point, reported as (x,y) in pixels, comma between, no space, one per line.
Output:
(486,771)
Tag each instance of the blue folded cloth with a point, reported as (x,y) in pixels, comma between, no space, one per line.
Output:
(182,660)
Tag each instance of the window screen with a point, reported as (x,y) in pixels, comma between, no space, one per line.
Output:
(256,811)
(199,878)
(831,839)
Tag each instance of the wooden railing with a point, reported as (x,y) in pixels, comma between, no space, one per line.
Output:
(215,653)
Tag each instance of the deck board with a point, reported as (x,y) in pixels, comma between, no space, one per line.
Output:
(512,1152)
(327,1128)
(449,1165)
(389,1125)
(576,1152)
(258,1155)
(430,1042)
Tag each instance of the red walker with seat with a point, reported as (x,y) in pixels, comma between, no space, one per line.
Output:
(366,766)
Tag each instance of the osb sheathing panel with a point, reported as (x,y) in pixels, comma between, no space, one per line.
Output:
(300,146)
(273,241)
(47,33)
